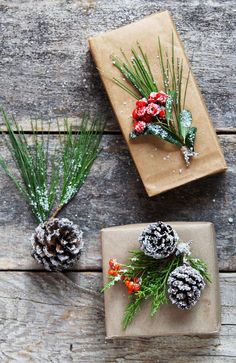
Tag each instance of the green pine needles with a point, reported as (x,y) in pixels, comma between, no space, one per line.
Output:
(48,183)
(176,127)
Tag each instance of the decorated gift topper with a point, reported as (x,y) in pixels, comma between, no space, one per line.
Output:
(162,270)
(49,183)
(160,111)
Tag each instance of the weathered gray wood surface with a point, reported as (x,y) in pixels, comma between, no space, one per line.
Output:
(46,71)
(114,195)
(60,318)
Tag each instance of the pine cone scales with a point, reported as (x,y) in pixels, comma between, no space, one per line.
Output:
(158,240)
(57,244)
(184,286)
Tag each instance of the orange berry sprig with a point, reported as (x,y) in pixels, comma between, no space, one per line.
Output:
(114,267)
(133,284)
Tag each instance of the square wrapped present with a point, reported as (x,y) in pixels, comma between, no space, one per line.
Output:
(160,164)
(202,319)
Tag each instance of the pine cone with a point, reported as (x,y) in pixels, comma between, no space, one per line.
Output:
(57,244)
(184,286)
(158,240)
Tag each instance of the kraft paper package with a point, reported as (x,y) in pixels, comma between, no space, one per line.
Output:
(203,319)
(160,165)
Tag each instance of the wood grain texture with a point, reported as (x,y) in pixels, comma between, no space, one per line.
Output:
(50,317)
(46,70)
(114,195)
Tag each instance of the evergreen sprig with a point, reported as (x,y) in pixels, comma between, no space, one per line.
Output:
(49,183)
(177,128)
(154,275)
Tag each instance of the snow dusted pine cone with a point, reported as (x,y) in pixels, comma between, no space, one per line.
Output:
(184,286)
(158,240)
(57,244)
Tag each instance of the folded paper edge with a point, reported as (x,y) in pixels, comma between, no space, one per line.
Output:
(135,225)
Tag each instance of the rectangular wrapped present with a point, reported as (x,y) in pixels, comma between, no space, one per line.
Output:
(202,319)
(160,164)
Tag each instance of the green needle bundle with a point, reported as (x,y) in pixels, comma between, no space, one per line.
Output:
(48,183)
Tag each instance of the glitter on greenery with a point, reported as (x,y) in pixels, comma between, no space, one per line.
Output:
(154,275)
(140,81)
(50,182)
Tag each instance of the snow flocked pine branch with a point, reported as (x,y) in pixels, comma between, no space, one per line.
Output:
(162,270)
(161,110)
(49,182)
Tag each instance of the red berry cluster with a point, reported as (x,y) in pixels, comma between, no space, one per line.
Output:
(132,284)
(147,109)
(114,267)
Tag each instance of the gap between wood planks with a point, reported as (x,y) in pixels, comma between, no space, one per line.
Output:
(116,132)
(99,270)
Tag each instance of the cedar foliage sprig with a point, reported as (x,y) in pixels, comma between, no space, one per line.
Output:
(154,275)
(177,128)
(47,190)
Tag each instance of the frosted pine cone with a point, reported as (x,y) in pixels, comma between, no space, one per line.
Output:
(158,240)
(57,244)
(184,286)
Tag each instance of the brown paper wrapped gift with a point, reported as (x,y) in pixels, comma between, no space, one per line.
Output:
(202,319)
(160,164)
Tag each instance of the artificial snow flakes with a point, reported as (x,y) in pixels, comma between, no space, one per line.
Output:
(184,286)
(158,240)
(57,244)
(161,270)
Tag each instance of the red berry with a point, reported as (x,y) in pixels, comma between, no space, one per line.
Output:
(127,282)
(141,111)
(113,264)
(130,291)
(147,118)
(162,113)
(136,287)
(130,287)
(139,126)
(135,114)
(152,97)
(111,272)
(161,97)
(153,109)
(136,279)
(142,103)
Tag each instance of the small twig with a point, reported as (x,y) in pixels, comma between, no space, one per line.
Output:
(56,212)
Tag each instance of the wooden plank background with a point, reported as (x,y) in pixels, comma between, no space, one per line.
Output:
(46,72)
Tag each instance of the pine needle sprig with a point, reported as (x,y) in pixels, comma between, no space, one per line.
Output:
(49,185)
(137,72)
(79,151)
(139,81)
(31,162)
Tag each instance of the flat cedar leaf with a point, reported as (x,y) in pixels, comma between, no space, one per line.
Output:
(133,135)
(190,138)
(169,104)
(157,130)
(185,122)
(163,133)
